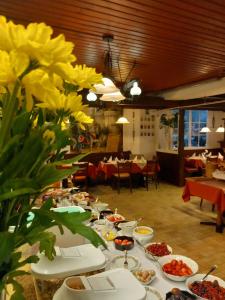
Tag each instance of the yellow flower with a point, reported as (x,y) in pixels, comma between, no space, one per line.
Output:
(85,77)
(67,104)
(12,64)
(37,83)
(82,118)
(49,136)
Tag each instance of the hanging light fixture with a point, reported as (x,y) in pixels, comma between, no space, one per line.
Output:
(116,96)
(108,90)
(205,130)
(91,96)
(122,120)
(135,90)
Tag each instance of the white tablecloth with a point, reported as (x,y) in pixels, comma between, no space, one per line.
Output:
(162,283)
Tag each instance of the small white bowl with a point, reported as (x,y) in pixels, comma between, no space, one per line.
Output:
(127,227)
(147,252)
(143,238)
(198,277)
(151,278)
(100,206)
(188,261)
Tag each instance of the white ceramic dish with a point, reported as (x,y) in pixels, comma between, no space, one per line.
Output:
(190,263)
(128,227)
(143,238)
(123,286)
(198,277)
(118,262)
(100,206)
(147,253)
(153,294)
(151,278)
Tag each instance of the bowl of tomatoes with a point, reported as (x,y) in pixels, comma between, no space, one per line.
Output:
(178,267)
(211,288)
(124,242)
(115,218)
(157,250)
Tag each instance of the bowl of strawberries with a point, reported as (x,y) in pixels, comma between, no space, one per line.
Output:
(124,242)
(178,267)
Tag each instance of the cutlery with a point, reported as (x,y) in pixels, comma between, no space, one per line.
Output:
(213,268)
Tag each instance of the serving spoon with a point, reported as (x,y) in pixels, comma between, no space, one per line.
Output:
(213,268)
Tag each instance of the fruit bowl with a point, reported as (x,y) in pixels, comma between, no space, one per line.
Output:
(114,218)
(210,285)
(178,267)
(124,242)
(157,250)
(143,234)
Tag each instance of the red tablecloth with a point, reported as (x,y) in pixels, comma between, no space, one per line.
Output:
(92,170)
(110,168)
(209,189)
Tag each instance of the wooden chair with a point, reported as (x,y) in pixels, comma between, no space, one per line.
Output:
(81,175)
(150,173)
(190,169)
(123,174)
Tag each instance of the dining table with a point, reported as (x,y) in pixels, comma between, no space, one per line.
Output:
(209,189)
(110,168)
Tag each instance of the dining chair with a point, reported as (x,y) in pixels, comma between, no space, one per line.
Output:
(124,170)
(81,175)
(150,173)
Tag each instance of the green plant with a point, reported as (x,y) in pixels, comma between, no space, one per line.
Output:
(40,92)
(169,121)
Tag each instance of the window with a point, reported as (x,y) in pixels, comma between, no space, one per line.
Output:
(194,121)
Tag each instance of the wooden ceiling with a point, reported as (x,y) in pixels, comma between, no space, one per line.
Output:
(173,42)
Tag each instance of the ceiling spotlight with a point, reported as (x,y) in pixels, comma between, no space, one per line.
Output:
(135,90)
(91,96)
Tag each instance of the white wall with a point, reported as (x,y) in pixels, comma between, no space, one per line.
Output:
(136,139)
(214,137)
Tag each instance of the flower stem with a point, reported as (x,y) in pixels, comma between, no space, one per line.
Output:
(8,116)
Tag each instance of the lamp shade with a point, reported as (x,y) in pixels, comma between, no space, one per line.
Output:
(116,96)
(135,90)
(122,120)
(91,96)
(107,87)
(220,129)
(205,130)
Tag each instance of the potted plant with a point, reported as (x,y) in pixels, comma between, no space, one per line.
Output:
(39,92)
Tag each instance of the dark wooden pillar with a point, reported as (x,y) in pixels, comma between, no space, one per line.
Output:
(181,146)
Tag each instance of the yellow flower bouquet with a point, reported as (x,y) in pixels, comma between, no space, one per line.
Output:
(39,91)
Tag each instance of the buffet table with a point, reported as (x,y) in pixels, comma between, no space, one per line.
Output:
(209,189)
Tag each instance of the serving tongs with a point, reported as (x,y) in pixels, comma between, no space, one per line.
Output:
(153,257)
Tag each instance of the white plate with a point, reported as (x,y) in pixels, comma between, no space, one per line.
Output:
(118,262)
(153,294)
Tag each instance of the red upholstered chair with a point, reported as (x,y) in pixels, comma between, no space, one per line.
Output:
(150,173)
(123,174)
(81,175)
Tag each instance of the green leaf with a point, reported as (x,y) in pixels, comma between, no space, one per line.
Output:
(16,193)
(50,174)
(7,246)
(9,149)
(18,290)
(21,123)
(70,160)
